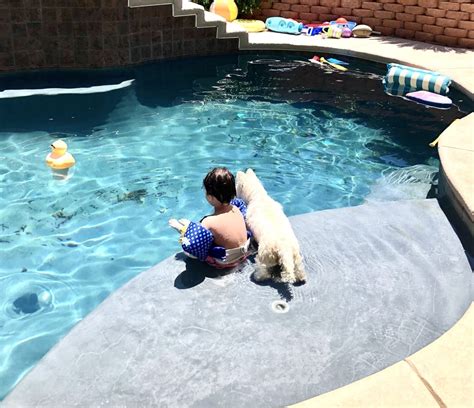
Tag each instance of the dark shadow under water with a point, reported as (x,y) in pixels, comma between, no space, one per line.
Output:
(272,77)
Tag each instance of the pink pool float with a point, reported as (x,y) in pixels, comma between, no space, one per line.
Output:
(430,99)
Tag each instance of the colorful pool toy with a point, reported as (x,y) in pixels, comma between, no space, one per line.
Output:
(430,99)
(312,30)
(284,25)
(59,158)
(341,22)
(337,61)
(315,60)
(346,32)
(251,26)
(362,31)
(225,8)
(332,31)
(336,66)
(330,61)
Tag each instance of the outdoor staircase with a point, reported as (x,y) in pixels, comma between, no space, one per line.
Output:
(204,19)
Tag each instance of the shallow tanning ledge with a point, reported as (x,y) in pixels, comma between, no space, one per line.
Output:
(384,280)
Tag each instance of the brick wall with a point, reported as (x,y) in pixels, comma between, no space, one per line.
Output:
(435,21)
(97,33)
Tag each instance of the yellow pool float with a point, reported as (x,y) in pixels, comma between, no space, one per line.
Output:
(59,158)
(251,26)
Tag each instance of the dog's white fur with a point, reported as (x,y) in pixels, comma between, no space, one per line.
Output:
(277,243)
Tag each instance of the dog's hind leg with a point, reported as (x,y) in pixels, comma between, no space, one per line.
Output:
(261,273)
(300,273)
(287,266)
(262,270)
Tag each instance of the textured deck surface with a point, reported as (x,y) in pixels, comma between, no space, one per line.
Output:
(384,280)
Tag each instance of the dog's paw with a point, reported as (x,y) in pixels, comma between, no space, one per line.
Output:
(261,275)
(299,282)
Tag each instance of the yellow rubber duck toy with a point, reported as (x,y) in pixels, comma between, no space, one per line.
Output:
(59,158)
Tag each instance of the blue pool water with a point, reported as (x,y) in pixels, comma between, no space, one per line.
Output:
(317,139)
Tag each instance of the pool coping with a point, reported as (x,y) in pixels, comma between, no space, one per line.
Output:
(439,375)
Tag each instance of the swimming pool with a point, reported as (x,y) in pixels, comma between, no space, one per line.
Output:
(318,139)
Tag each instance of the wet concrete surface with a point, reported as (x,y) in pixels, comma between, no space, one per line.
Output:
(384,280)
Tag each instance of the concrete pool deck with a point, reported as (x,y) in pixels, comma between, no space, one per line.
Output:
(384,280)
(110,358)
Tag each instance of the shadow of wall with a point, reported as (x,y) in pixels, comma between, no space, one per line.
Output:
(449,23)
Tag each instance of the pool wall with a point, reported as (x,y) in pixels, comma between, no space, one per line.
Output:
(98,33)
(456,195)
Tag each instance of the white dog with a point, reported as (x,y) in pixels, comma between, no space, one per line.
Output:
(277,244)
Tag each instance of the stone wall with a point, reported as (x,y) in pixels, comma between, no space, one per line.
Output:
(97,33)
(435,21)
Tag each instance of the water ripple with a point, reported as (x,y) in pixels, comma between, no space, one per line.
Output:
(316,139)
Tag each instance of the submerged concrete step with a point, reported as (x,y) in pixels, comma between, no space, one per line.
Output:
(384,280)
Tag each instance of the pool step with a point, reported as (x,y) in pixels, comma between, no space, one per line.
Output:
(204,19)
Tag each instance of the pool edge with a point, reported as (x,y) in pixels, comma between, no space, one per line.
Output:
(438,375)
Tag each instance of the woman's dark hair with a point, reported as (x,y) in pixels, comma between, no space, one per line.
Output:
(220,183)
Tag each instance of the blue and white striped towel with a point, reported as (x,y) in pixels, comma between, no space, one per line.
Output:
(418,79)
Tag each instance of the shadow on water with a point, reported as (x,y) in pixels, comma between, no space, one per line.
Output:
(271,77)
(174,82)
(162,84)
(75,114)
